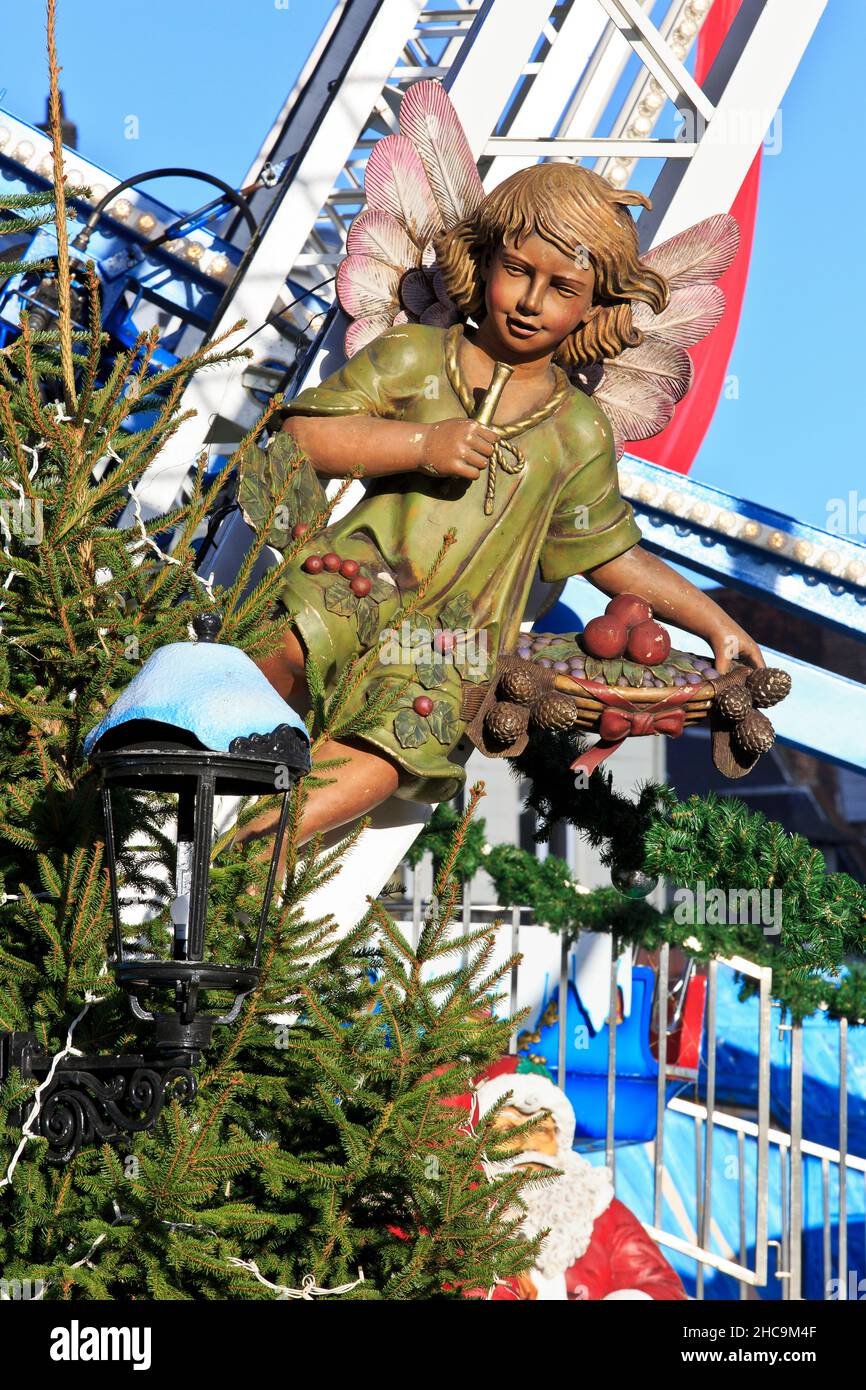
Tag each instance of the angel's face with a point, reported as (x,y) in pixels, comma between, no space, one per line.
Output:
(535,295)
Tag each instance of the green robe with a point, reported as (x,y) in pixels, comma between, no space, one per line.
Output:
(562,511)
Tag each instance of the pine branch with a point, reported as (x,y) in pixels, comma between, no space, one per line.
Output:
(63,270)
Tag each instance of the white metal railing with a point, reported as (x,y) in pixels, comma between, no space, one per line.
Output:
(547,958)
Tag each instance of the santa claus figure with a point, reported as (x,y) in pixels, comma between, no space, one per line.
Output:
(596,1248)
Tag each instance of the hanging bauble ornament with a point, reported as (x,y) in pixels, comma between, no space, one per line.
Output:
(632,883)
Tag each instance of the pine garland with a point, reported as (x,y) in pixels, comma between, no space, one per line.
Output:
(810,925)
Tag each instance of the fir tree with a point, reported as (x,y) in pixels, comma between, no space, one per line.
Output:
(318,1148)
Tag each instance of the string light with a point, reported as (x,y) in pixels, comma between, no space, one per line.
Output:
(639,121)
(309,1288)
(26,1131)
(834,562)
(145,539)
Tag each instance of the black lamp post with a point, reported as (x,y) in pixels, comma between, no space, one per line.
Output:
(187,725)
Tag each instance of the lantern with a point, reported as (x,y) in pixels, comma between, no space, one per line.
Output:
(198,722)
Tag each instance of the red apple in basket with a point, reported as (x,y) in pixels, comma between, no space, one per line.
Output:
(605,637)
(648,644)
(629,609)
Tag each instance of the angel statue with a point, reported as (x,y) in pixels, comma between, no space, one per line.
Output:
(501,349)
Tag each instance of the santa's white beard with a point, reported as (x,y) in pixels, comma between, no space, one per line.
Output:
(568,1208)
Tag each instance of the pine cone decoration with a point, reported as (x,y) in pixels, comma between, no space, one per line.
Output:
(554,711)
(734,702)
(768,686)
(505,722)
(520,683)
(755,733)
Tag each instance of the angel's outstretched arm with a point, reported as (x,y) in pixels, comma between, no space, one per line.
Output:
(673,599)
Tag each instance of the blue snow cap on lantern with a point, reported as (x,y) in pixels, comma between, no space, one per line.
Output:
(212,691)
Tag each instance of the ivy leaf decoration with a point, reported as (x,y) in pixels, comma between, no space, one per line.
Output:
(443,722)
(420,638)
(633,673)
(339,597)
(594,668)
(474,674)
(473,665)
(680,662)
(367,613)
(612,670)
(560,651)
(430,673)
(457,613)
(284,469)
(410,728)
(381,589)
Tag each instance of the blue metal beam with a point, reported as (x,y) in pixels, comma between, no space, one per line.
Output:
(803,568)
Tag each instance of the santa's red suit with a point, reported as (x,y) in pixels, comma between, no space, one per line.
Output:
(596,1248)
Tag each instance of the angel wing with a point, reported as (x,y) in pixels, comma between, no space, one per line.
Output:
(425,179)
(417,183)
(640,388)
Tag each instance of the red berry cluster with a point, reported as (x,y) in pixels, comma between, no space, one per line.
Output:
(332,563)
(627,628)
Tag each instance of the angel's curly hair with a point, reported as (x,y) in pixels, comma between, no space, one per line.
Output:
(572,208)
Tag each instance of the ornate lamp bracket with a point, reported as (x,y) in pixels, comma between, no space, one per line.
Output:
(94,1099)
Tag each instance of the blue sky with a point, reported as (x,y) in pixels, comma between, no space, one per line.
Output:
(794,438)
(206,77)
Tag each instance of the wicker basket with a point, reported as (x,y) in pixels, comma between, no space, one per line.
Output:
(510,688)
(590,709)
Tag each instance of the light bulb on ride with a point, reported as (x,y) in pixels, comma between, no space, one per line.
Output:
(146,222)
(24,151)
(120,209)
(652,101)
